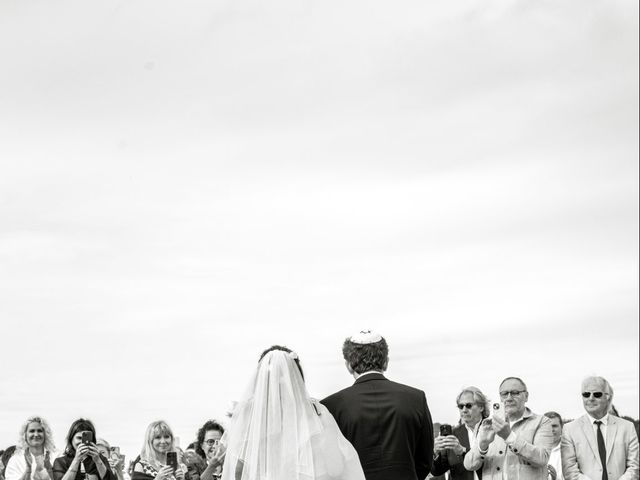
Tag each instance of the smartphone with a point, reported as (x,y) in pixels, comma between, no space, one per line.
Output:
(87,438)
(445,430)
(497,411)
(172,460)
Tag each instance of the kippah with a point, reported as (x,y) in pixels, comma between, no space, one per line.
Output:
(365,337)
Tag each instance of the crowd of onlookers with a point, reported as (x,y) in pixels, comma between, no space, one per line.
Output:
(452,445)
(89,457)
(492,441)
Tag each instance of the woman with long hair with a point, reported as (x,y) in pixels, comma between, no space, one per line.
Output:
(32,458)
(278,432)
(152,462)
(82,460)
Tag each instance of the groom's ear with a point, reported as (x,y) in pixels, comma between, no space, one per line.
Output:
(349,369)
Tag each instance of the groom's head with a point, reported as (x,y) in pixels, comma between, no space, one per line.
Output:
(366,351)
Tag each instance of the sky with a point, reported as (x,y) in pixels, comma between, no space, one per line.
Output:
(184,184)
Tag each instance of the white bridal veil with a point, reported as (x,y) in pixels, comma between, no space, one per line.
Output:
(278,433)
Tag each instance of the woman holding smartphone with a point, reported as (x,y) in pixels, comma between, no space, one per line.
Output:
(32,458)
(158,459)
(82,459)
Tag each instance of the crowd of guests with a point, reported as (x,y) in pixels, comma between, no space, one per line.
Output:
(385,433)
(88,457)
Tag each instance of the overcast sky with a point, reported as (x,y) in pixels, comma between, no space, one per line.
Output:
(185,183)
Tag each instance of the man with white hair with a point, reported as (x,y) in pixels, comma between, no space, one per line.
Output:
(599,446)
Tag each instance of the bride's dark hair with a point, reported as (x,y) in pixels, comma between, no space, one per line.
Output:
(283,349)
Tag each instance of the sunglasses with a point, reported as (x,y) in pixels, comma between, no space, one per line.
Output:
(595,394)
(463,405)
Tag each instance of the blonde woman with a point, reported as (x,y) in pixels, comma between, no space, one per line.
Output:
(32,459)
(152,463)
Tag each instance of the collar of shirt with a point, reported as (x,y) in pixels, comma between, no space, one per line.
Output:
(604,420)
(369,372)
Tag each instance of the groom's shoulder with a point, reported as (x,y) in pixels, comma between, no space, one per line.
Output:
(336,397)
(407,389)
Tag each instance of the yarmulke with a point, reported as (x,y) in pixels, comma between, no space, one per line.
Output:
(365,337)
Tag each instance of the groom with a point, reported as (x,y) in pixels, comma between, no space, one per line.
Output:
(388,423)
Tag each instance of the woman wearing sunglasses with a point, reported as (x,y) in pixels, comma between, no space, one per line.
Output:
(449,450)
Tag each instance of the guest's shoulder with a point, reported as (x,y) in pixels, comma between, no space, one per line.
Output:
(61,460)
(623,423)
(574,425)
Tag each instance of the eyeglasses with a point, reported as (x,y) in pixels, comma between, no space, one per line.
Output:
(465,405)
(513,393)
(595,394)
(211,442)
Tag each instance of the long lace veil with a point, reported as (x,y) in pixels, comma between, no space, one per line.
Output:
(278,433)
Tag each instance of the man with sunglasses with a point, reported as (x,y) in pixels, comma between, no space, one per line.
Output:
(598,445)
(450,450)
(515,446)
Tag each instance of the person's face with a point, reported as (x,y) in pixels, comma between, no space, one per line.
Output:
(513,397)
(469,416)
(210,442)
(596,407)
(35,434)
(104,451)
(556,429)
(77,439)
(161,442)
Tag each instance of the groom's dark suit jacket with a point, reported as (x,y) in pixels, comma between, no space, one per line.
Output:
(389,425)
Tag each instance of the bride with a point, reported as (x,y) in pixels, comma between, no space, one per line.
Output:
(277,432)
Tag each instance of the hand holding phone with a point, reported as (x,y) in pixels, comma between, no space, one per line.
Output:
(172,460)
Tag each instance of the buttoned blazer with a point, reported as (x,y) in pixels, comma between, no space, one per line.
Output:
(580,456)
(455,463)
(529,453)
(389,424)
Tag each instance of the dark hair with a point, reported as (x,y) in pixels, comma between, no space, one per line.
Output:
(553,414)
(363,358)
(202,431)
(283,349)
(80,425)
(515,378)
(6,455)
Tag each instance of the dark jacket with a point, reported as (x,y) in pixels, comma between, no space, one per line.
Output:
(62,464)
(389,425)
(454,463)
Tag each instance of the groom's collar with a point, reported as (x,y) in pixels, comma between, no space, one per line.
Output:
(373,375)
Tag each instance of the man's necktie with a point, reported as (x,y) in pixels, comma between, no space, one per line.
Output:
(602,449)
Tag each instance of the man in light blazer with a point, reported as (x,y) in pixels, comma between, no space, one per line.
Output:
(516,446)
(598,445)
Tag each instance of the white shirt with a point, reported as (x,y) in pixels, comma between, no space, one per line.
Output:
(370,371)
(17,466)
(555,460)
(603,428)
(472,442)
